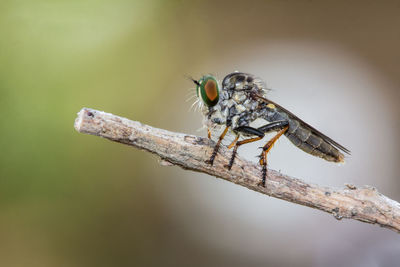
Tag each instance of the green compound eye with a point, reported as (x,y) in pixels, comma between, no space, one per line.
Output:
(207,89)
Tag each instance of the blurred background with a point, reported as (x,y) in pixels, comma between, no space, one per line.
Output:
(68,199)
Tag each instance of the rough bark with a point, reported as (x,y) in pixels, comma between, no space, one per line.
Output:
(189,152)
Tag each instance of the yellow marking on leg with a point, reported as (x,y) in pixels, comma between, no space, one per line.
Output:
(249,140)
(233,142)
(271,106)
(208,133)
(216,148)
(269,145)
(262,159)
(224,133)
(239,143)
(271,142)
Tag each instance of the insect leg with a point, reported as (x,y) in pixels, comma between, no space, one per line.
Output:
(267,148)
(234,141)
(215,151)
(247,130)
(208,133)
(273,126)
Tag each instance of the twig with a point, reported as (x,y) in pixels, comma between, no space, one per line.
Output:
(365,204)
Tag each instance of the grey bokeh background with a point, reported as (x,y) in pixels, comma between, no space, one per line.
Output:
(67,199)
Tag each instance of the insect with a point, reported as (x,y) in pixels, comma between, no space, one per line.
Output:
(241,101)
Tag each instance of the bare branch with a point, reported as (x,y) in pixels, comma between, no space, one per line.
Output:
(365,204)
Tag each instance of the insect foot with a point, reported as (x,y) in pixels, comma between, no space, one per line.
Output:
(228,166)
(209,161)
(261,184)
(264,174)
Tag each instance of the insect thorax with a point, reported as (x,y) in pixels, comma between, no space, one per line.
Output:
(236,106)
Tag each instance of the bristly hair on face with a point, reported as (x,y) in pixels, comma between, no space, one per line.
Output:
(197,104)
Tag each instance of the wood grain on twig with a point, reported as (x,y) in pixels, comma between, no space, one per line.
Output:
(365,204)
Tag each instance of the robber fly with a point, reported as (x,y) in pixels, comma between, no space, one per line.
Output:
(241,101)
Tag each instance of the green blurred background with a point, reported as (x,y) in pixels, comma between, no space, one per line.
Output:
(68,199)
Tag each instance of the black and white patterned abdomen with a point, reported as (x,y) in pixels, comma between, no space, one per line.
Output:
(304,137)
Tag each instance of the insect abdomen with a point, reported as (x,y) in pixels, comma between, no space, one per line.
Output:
(303,138)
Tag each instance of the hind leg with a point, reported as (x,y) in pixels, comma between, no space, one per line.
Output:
(265,150)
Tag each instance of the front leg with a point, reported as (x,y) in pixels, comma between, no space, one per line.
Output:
(216,148)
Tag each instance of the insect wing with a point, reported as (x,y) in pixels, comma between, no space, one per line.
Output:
(312,129)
